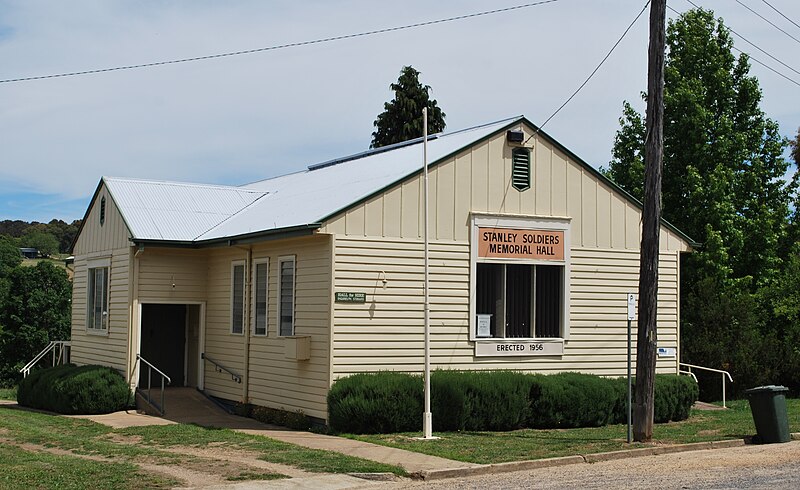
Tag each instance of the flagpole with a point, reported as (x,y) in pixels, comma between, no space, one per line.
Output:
(427,417)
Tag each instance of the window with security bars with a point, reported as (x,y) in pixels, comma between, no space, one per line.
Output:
(261,274)
(524,300)
(237,298)
(97,305)
(521,168)
(286,301)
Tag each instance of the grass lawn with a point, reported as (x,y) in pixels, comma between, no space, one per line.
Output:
(30,435)
(8,393)
(24,469)
(498,447)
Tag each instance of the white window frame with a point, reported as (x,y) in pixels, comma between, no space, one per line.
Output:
(256,262)
(544,223)
(281,261)
(243,265)
(91,266)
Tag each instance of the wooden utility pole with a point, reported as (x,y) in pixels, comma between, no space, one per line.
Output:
(651,226)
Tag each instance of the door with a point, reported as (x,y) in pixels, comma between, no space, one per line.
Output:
(163,343)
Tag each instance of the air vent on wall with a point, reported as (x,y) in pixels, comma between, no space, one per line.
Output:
(521,168)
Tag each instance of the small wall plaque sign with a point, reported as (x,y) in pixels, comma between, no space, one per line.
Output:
(351,297)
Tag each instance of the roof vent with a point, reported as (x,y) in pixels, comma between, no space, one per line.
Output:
(520,168)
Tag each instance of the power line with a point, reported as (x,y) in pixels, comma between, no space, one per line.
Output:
(781,13)
(767,21)
(281,46)
(748,54)
(591,74)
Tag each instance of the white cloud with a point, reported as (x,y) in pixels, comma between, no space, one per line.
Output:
(242,118)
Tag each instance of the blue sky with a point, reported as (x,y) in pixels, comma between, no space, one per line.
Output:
(239,119)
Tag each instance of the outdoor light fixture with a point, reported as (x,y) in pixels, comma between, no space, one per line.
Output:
(515,136)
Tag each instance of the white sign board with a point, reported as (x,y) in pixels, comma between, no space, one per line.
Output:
(522,348)
(631,307)
(666,352)
(484,325)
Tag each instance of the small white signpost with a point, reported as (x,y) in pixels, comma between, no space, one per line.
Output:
(631,317)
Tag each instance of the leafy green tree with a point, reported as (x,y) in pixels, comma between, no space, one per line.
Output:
(723,185)
(46,243)
(401,119)
(723,163)
(781,302)
(36,311)
(10,256)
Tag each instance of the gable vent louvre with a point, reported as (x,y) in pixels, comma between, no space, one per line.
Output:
(521,168)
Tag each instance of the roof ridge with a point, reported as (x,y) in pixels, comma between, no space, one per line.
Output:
(403,144)
(263,194)
(181,184)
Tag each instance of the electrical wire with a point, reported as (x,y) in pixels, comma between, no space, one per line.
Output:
(748,54)
(767,21)
(281,46)
(591,74)
(781,13)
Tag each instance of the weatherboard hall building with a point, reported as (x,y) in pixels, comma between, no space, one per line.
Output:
(268,292)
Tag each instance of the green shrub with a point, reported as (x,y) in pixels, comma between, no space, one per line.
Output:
(674,396)
(389,402)
(71,389)
(376,403)
(568,400)
(479,400)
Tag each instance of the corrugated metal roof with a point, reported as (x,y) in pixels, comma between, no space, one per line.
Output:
(312,195)
(184,212)
(174,211)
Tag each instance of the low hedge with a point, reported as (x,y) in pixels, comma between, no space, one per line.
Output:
(376,403)
(569,400)
(388,402)
(71,389)
(479,400)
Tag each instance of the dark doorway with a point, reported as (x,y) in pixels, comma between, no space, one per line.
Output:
(163,343)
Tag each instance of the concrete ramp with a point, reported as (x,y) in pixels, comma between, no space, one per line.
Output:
(189,406)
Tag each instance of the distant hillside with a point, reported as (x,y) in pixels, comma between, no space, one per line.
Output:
(53,237)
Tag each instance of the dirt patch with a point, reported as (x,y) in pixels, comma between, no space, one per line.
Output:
(203,467)
(237,458)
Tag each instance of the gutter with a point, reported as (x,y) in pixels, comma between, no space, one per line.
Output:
(244,239)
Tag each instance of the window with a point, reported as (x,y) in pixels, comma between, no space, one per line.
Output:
(521,168)
(524,300)
(237,297)
(286,301)
(520,279)
(97,300)
(261,275)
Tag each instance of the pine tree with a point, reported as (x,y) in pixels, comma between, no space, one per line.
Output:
(401,119)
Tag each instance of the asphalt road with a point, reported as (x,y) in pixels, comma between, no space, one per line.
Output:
(774,466)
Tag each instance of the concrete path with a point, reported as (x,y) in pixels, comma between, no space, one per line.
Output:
(189,406)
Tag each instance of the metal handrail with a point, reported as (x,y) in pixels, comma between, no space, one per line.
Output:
(723,373)
(222,369)
(164,377)
(60,355)
(688,373)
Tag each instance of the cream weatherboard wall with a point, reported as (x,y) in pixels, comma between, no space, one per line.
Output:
(106,241)
(171,275)
(150,274)
(276,380)
(379,251)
